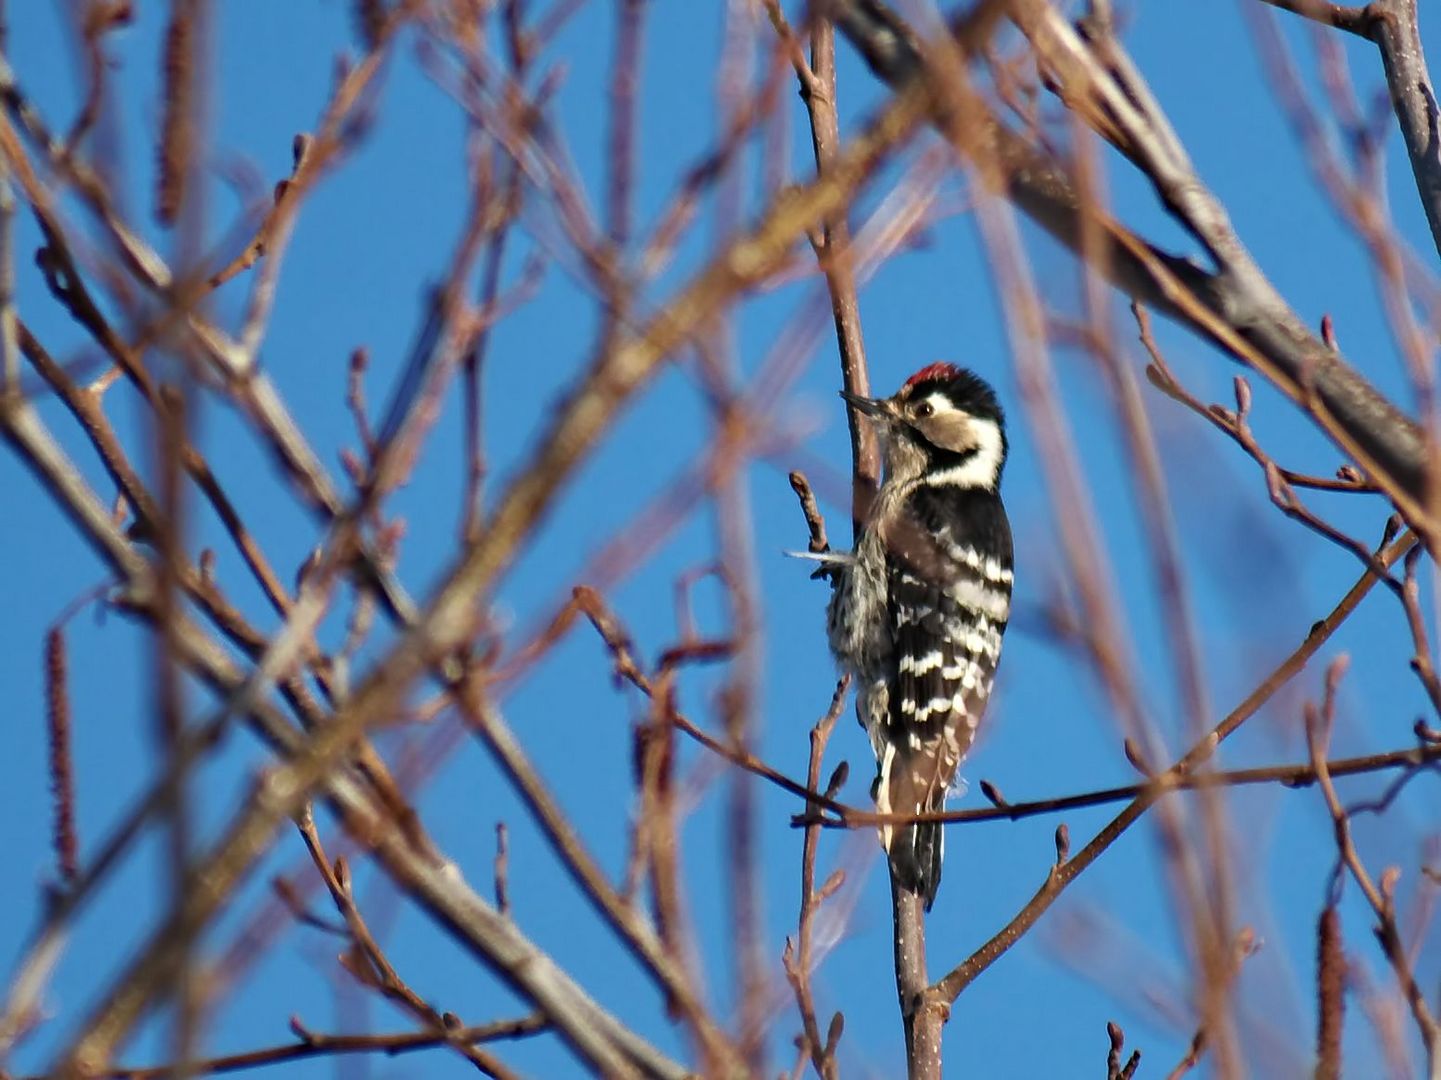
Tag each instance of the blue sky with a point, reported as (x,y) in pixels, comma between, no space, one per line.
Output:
(379,232)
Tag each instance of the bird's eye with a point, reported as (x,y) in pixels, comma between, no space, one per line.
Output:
(925,409)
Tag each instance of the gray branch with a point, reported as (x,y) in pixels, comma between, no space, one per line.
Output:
(1393,27)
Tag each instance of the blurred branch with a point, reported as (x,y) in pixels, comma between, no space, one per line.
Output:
(62,769)
(1354,20)
(626,920)
(449,619)
(1330,994)
(594,1033)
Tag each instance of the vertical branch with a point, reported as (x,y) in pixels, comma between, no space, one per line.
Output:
(922,1015)
(798,963)
(62,778)
(1211,906)
(9,335)
(177,130)
(625,74)
(170,438)
(1380,895)
(1088,568)
(1330,994)
(1393,26)
(179,202)
(833,251)
(505,208)
(738,705)
(735,540)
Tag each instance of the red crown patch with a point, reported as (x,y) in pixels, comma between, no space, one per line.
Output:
(938,370)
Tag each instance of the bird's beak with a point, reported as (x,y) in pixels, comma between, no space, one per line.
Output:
(878,407)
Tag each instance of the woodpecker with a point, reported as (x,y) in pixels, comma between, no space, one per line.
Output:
(920,606)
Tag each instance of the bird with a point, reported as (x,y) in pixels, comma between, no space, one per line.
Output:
(920,605)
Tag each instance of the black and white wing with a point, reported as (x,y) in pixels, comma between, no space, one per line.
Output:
(949,587)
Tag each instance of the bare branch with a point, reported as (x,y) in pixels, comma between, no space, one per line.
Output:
(951,985)
(311,1044)
(1235,307)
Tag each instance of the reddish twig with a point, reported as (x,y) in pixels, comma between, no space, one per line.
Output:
(1115,1070)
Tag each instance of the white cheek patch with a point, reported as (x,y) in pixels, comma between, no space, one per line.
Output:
(982,468)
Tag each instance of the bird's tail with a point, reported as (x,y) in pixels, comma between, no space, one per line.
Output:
(914,850)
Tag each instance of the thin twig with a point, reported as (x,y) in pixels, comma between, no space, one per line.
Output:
(1381,897)
(311,1044)
(1061,876)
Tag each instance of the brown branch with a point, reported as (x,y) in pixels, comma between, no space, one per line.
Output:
(311,1044)
(62,773)
(815,522)
(588,602)
(621,142)
(1330,994)
(951,985)
(177,137)
(822,803)
(1421,662)
(590,878)
(833,251)
(922,1013)
(1114,1069)
(1191,1058)
(1290,776)
(797,959)
(1380,897)
(501,868)
(1160,375)
(367,961)
(1236,424)
(596,1035)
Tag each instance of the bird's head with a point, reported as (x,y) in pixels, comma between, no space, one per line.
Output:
(943,426)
